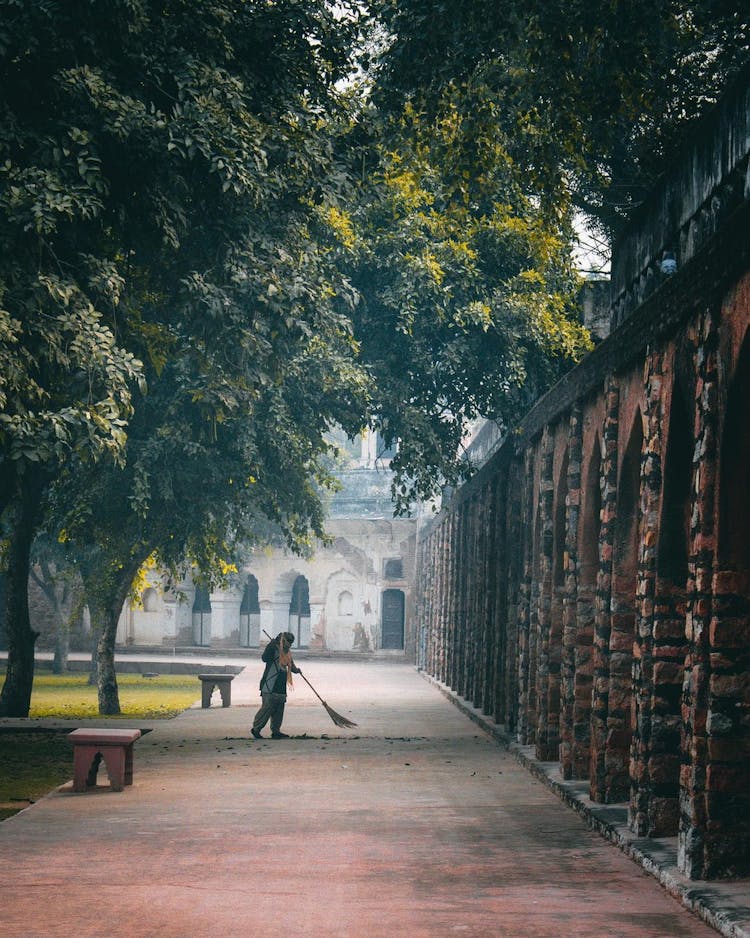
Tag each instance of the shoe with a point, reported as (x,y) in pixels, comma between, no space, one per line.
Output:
(256,733)
(279,736)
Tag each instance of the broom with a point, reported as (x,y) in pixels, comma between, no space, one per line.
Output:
(336,717)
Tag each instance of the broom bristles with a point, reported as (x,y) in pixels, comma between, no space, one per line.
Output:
(337,718)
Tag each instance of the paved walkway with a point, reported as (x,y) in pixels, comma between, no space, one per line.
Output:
(416,823)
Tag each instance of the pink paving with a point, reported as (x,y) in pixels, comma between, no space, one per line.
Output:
(415,823)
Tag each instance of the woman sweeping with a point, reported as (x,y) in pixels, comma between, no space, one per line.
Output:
(278,673)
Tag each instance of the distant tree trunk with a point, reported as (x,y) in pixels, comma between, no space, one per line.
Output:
(22,517)
(55,585)
(62,648)
(106,597)
(96,630)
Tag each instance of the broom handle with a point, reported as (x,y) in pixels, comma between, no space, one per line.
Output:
(303,677)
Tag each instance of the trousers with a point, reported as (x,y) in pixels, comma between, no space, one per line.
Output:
(273,709)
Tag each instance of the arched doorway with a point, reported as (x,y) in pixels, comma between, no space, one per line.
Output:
(299,612)
(202,617)
(250,614)
(555,650)
(622,634)
(727,841)
(661,730)
(392,619)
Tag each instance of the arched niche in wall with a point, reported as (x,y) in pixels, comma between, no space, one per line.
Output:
(591,522)
(558,533)
(623,612)
(201,617)
(250,614)
(559,537)
(299,611)
(392,619)
(728,703)
(668,642)
(150,599)
(345,605)
(734,484)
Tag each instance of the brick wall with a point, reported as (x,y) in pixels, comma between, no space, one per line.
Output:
(590,587)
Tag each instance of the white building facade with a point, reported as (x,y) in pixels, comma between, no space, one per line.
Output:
(353,596)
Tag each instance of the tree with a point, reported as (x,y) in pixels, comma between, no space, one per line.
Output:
(594,97)
(468,295)
(197,481)
(60,582)
(160,164)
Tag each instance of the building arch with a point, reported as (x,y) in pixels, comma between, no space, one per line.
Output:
(250,613)
(201,617)
(622,620)
(392,619)
(729,686)
(299,611)
(661,723)
(734,487)
(150,599)
(345,603)
(558,572)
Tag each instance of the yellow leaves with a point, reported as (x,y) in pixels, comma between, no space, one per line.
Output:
(407,190)
(227,568)
(142,581)
(433,267)
(340,224)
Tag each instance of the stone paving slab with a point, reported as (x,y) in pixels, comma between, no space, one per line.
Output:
(415,823)
(723,904)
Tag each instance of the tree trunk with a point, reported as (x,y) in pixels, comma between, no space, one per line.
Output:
(22,517)
(105,600)
(62,647)
(57,591)
(106,677)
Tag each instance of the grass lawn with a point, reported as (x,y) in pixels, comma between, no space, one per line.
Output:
(32,763)
(69,696)
(35,761)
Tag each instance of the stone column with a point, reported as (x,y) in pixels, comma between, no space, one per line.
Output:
(525,733)
(547,745)
(647,768)
(602,619)
(692,849)
(570,593)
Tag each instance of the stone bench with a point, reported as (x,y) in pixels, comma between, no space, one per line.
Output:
(223,682)
(91,746)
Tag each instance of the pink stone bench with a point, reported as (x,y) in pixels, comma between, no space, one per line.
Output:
(222,681)
(91,746)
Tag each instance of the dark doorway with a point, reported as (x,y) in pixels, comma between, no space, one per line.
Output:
(299,612)
(393,619)
(250,615)
(202,617)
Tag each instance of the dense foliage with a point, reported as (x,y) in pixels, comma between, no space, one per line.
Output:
(163,298)
(215,246)
(468,295)
(594,97)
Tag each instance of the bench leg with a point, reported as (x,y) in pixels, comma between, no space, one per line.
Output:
(225,689)
(208,689)
(114,759)
(129,764)
(86,761)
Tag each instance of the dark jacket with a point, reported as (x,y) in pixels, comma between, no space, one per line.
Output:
(274,677)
